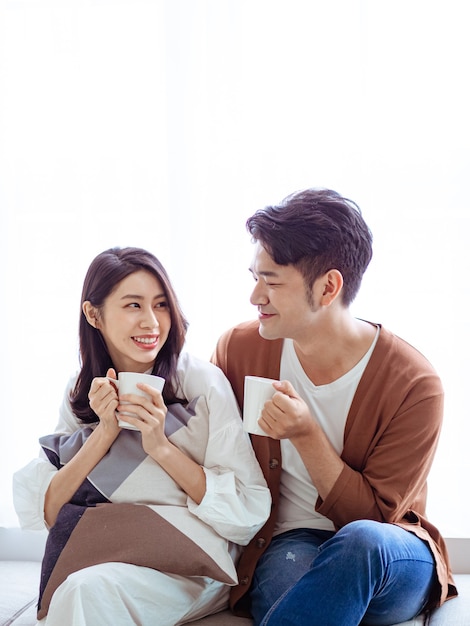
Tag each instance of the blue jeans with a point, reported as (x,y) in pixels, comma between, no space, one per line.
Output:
(367,573)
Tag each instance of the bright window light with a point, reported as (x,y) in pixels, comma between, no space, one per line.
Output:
(165,124)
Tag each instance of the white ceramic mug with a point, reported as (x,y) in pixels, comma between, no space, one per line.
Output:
(257,391)
(127,383)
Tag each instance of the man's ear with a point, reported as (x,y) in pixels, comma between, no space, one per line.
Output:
(91,314)
(332,284)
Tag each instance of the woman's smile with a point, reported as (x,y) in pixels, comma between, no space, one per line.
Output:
(146,342)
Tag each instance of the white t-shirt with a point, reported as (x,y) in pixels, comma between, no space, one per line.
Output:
(330,405)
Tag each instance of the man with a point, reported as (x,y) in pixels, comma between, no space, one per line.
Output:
(353,428)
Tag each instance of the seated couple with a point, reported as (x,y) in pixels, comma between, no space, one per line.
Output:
(321,522)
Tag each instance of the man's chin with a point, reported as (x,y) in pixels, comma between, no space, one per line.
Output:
(267,334)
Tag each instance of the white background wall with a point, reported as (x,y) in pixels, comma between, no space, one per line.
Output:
(165,124)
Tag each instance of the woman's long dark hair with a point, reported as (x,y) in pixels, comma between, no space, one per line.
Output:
(106,271)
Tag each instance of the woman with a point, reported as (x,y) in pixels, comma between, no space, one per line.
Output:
(176,498)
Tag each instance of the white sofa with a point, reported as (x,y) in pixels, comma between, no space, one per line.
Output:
(20,561)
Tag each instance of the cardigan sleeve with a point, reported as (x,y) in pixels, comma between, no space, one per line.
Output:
(390,441)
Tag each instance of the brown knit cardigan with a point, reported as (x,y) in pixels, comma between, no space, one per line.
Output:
(390,439)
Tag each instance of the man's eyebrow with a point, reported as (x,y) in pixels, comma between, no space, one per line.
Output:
(263,272)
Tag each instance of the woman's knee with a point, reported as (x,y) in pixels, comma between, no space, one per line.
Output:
(91,581)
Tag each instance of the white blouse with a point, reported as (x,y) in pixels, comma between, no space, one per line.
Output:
(237,501)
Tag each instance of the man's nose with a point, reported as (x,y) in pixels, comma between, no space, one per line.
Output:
(258,295)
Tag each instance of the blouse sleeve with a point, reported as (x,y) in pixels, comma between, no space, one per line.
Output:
(30,485)
(237,501)
(31,482)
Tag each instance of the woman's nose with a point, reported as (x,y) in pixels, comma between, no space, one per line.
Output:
(150,320)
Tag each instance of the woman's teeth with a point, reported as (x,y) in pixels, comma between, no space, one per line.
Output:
(147,340)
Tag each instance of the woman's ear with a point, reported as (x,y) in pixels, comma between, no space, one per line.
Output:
(91,314)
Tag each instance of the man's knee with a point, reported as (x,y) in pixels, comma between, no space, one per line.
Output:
(367,537)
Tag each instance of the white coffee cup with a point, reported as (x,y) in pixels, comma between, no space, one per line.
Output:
(257,391)
(127,383)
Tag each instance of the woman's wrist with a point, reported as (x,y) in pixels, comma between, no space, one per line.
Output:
(102,437)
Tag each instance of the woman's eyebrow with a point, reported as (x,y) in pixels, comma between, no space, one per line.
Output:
(131,296)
